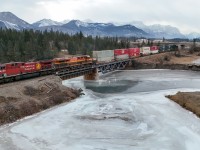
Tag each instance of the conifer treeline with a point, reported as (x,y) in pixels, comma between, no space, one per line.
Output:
(32,45)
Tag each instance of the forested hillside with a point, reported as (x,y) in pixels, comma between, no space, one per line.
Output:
(29,45)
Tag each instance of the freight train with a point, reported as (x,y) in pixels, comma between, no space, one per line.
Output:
(21,69)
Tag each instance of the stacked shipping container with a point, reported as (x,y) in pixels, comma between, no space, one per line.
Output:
(104,55)
(145,50)
(134,52)
(154,49)
(121,54)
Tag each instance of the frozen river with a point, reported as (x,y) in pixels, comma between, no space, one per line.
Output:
(122,111)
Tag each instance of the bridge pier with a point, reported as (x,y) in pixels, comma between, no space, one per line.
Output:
(92,76)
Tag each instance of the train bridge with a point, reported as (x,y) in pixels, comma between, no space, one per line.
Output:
(90,72)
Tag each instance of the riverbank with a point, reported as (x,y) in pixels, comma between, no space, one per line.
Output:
(169,60)
(188,100)
(24,98)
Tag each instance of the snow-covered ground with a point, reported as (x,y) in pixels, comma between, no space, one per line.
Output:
(113,121)
(197,62)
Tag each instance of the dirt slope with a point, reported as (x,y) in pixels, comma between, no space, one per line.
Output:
(169,58)
(23,98)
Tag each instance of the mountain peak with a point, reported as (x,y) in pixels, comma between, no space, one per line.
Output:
(78,23)
(5,16)
(11,18)
(46,22)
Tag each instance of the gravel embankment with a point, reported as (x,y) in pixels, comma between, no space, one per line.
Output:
(24,98)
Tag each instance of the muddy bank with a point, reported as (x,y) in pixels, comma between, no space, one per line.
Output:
(24,98)
(188,100)
(137,65)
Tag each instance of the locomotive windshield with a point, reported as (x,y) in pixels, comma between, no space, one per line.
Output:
(2,67)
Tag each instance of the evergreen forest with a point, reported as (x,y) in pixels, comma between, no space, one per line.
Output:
(30,45)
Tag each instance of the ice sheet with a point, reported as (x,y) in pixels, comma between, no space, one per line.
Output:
(139,121)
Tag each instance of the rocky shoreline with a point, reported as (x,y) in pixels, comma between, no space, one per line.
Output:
(24,98)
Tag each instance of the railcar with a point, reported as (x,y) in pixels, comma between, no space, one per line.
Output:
(46,64)
(121,54)
(2,70)
(30,67)
(103,56)
(154,49)
(80,59)
(145,51)
(134,52)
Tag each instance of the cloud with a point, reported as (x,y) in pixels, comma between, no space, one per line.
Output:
(180,13)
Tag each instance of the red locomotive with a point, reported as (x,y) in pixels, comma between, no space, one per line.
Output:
(22,68)
(17,68)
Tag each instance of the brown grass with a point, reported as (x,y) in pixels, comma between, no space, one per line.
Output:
(169,58)
(188,100)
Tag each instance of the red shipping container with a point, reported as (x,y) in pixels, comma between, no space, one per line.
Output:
(121,52)
(134,52)
(154,48)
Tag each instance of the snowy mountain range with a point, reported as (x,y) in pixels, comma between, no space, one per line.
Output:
(138,29)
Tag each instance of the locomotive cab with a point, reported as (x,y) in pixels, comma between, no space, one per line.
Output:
(2,70)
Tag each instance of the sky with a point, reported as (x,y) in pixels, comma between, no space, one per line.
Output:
(183,14)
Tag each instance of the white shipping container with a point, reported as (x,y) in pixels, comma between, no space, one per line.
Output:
(121,57)
(104,55)
(104,59)
(154,51)
(145,50)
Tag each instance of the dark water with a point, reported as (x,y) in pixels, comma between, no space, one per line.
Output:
(110,85)
(144,81)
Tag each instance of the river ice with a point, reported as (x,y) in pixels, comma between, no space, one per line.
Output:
(144,120)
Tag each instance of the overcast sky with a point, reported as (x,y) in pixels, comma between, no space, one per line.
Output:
(183,14)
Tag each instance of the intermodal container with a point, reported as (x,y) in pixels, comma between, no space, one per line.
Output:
(122,57)
(134,52)
(121,52)
(154,49)
(161,48)
(104,55)
(167,47)
(145,50)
